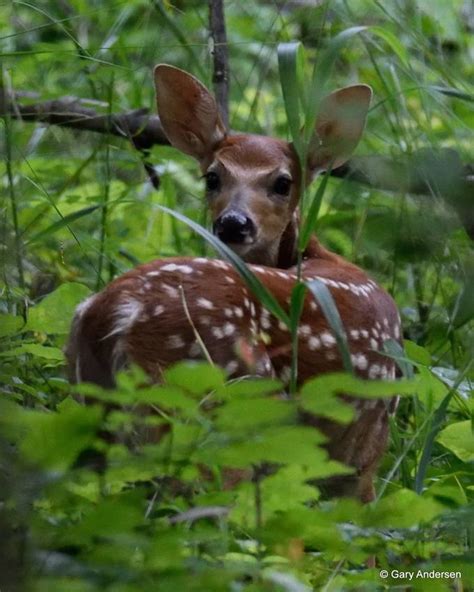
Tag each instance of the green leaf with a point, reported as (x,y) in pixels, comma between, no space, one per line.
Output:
(283,491)
(54,313)
(9,324)
(37,350)
(340,382)
(249,387)
(248,414)
(324,403)
(416,353)
(459,439)
(286,444)
(402,509)
(197,378)
(54,440)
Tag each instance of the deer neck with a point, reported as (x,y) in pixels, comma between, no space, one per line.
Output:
(288,249)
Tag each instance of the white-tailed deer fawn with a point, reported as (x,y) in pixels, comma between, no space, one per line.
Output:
(166,310)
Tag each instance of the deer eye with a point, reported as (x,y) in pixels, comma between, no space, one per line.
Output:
(213,181)
(282,185)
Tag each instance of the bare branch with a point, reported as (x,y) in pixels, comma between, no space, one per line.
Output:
(139,126)
(220,76)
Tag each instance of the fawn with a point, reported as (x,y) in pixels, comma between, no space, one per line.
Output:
(167,310)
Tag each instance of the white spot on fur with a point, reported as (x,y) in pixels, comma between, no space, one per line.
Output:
(126,314)
(194,350)
(314,343)
(217,332)
(285,374)
(343,286)
(228,312)
(175,342)
(282,326)
(153,273)
(159,309)
(229,329)
(374,371)
(327,339)
(205,320)
(360,361)
(304,330)
(175,267)
(364,333)
(396,332)
(170,290)
(265,319)
(205,303)
(354,334)
(238,312)
(84,305)
(231,366)
(229,279)
(374,343)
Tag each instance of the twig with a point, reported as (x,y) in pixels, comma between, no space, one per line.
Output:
(220,76)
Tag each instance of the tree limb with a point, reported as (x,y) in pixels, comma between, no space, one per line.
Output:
(220,76)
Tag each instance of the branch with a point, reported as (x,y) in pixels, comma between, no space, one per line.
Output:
(220,76)
(425,173)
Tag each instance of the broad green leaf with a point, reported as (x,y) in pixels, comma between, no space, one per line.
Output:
(325,403)
(340,382)
(286,489)
(402,509)
(197,378)
(54,313)
(9,324)
(113,516)
(249,387)
(250,414)
(416,353)
(296,445)
(36,349)
(54,440)
(459,439)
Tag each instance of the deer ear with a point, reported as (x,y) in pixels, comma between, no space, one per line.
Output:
(339,126)
(188,112)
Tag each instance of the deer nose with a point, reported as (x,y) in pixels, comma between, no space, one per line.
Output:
(234,227)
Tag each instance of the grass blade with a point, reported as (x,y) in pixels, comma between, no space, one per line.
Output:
(325,300)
